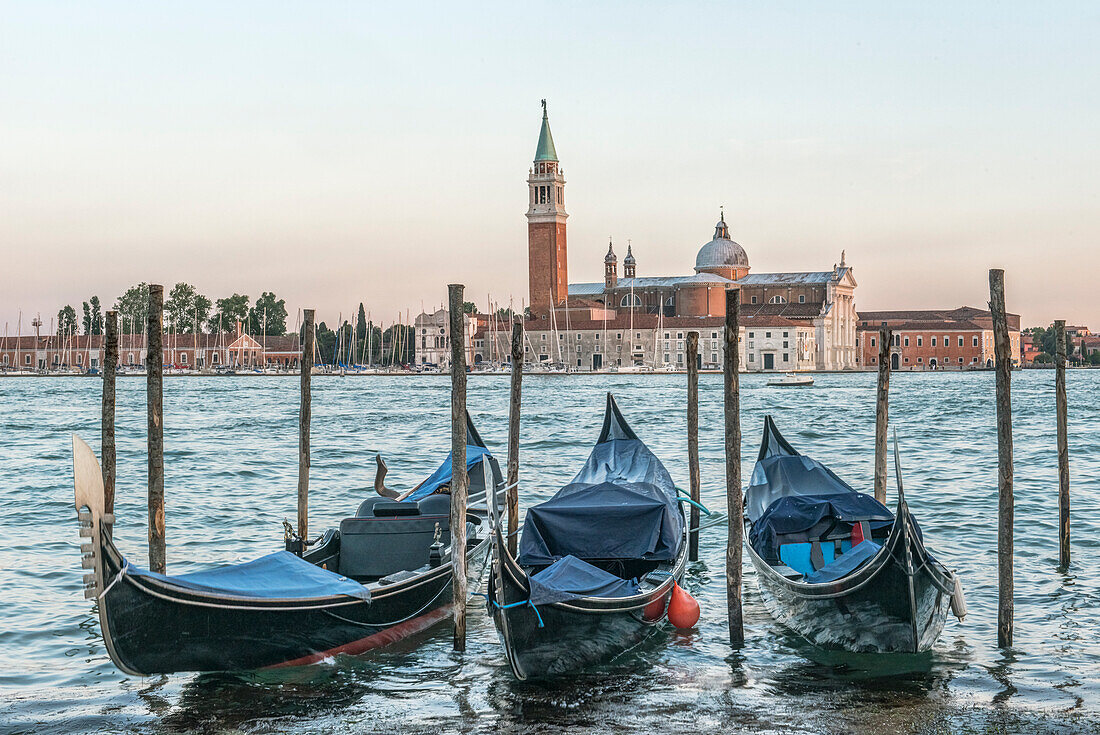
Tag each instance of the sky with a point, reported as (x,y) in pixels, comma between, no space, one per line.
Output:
(338,153)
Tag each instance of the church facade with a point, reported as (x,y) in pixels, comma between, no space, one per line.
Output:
(790,321)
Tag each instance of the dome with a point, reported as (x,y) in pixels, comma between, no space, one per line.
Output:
(610,257)
(721,252)
(629,259)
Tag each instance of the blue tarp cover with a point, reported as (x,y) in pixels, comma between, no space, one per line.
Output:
(570,578)
(278,576)
(845,564)
(781,475)
(621,505)
(442,476)
(795,514)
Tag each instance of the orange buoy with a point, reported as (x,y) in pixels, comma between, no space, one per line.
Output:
(683,609)
(654,611)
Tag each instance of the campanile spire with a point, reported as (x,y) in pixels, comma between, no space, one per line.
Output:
(546,215)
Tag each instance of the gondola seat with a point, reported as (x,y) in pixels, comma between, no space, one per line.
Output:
(395,536)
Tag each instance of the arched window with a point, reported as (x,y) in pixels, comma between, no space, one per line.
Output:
(637,300)
(670,301)
(778,300)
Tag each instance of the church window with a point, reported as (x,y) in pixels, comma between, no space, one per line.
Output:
(933,341)
(906,341)
(960,341)
(802,298)
(975,341)
(920,341)
(777,299)
(754,299)
(631,300)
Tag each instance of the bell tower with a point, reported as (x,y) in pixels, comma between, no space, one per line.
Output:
(546,250)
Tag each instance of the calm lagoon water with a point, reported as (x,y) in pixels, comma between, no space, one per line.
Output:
(231,472)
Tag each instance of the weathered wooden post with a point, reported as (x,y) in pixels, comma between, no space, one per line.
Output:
(107,422)
(513,434)
(305,415)
(154,389)
(1063,444)
(882,410)
(459,481)
(734,503)
(1002,354)
(693,442)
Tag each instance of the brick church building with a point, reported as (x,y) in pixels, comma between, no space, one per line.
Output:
(790,321)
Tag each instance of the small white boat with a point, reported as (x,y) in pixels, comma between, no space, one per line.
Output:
(792,380)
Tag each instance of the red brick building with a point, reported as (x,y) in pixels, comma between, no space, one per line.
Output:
(948,339)
(183,351)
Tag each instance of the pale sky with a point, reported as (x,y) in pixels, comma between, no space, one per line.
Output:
(344,152)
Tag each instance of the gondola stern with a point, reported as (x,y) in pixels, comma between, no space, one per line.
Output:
(614,425)
(772,442)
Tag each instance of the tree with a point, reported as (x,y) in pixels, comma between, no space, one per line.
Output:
(325,343)
(361,324)
(97,315)
(87,318)
(1094,357)
(268,316)
(66,320)
(230,310)
(184,305)
(469,307)
(131,307)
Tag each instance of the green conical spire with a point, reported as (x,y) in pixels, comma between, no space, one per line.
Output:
(545,151)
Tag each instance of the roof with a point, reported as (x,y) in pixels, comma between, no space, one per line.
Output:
(585,289)
(809,277)
(964,317)
(545,150)
(789,310)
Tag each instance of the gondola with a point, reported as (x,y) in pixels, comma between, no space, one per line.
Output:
(836,566)
(597,563)
(383,575)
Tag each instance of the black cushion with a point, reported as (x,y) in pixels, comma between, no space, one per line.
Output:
(435,505)
(393,508)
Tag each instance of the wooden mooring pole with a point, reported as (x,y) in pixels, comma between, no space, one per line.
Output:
(459,481)
(305,416)
(882,410)
(1002,354)
(154,389)
(1063,444)
(107,422)
(513,434)
(734,503)
(693,442)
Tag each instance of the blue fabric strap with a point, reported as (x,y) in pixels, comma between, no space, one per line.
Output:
(520,603)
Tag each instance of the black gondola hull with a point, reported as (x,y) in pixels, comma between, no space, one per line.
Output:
(872,617)
(150,629)
(561,638)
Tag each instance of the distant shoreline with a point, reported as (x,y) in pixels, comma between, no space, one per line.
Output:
(526,374)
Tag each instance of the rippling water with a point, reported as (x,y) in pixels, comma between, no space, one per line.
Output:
(230,478)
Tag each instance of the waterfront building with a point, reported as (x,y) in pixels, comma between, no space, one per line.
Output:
(432,342)
(182,351)
(794,321)
(946,339)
